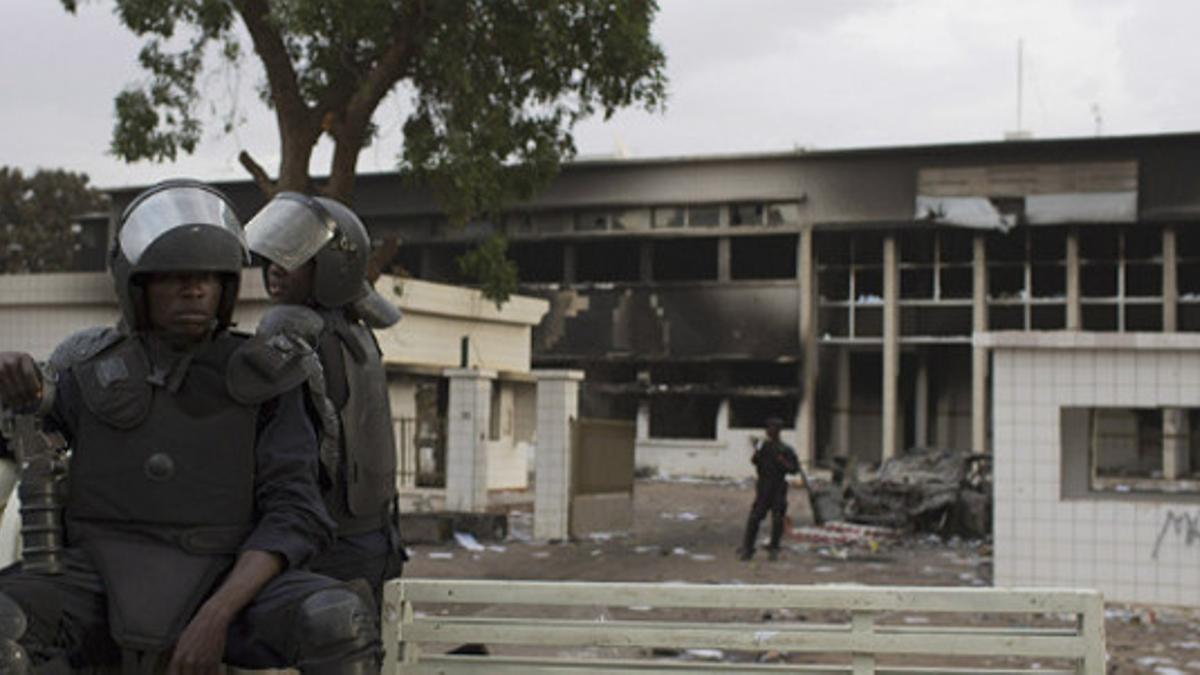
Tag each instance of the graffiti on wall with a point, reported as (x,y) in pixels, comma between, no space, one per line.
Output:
(1181,526)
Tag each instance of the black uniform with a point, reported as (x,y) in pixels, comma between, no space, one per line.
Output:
(773,460)
(359,486)
(173,472)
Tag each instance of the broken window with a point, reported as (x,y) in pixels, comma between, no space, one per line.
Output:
(1143,279)
(834,284)
(540,262)
(1006,318)
(670,216)
(1049,280)
(916,246)
(916,283)
(1147,318)
(591,221)
(1008,247)
(746,214)
(763,257)
(1006,282)
(1099,243)
(1128,450)
(957,282)
(832,248)
(752,412)
(783,213)
(636,220)
(703,216)
(1047,243)
(1098,279)
(1100,316)
(956,246)
(683,417)
(1048,317)
(685,260)
(607,261)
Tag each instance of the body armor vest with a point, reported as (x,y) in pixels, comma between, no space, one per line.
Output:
(161,483)
(359,499)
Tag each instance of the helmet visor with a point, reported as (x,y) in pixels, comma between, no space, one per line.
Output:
(289,230)
(170,208)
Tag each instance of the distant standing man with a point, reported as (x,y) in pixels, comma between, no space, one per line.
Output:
(316,252)
(773,460)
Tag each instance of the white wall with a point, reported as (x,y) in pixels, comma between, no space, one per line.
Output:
(1133,549)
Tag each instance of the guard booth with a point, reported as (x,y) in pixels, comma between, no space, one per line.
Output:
(602,463)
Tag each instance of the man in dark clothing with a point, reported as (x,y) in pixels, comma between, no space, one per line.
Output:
(773,460)
(192,498)
(316,252)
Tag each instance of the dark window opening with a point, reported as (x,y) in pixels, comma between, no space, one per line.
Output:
(868,321)
(916,283)
(591,221)
(683,417)
(441,263)
(763,257)
(1098,243)
(1049,281)
(1188,279)
(1048,317)
(1099,317)
(868,248)
(1143,280)
(934,320)
(868,285)
(1007,247)
(1143,317)
(1006,282)
(834,284)
(1143,242)
(1187,242)
(1047,243)
(685,373)
(835,322)
(407,262)
(607,261)
(916,246)
(599,405)
(1006,318)
(538,263)
(956,246)
(1126,442)
(766,374)
(753,412)
(831,248)
(958,282)
(685,260)
(1098,280)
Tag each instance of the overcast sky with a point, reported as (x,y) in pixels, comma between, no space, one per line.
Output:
(745,76)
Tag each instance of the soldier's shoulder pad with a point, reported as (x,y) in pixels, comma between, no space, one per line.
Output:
(83,345)
(266,366)
(295,321)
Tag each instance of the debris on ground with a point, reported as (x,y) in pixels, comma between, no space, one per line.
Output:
(846,534)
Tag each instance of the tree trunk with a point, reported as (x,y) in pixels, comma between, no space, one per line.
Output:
(342,169)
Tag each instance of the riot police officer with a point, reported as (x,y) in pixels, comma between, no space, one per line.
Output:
(316,252)
(192,500)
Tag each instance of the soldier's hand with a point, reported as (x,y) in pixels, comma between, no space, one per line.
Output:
(20,381)
(201,647)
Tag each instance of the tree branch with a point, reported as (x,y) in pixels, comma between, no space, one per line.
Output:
(268,43)
(259,174)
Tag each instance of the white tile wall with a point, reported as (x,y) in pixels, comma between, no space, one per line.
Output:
(1099,542)
(557,405)
(466,443)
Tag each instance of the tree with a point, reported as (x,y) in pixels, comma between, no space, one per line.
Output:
(38,218)
(497,85)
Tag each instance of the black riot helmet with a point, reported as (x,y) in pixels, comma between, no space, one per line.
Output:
(294,228)
(177,226)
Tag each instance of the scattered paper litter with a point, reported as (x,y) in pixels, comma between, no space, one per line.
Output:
(441,555)
(468,541)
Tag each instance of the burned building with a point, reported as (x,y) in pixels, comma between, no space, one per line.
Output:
(839,288)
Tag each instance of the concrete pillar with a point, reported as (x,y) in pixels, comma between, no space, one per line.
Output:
(1074,307)
(1170,281)
(921,403)
(722,421)
(643,420)
(468,421)
(806,423)
(557,407)
(1176,455)
(646,261)
(842,408)
(724,259)
(891,348)
(569,266)
(979,355)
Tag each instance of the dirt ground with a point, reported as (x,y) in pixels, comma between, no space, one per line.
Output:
(688,531)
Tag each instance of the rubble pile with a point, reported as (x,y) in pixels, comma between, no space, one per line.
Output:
(945,492)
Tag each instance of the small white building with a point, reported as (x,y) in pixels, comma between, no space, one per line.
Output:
(1096,437)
